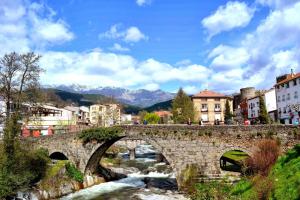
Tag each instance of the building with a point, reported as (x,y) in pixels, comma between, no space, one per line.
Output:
(270,102)
(105,114)
(288,101)
(240,107)
(80,114)
(165,116)
(210,106)
(126,119)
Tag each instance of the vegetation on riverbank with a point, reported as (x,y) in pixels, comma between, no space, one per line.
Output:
(100,134)
(281,181)
(26,168)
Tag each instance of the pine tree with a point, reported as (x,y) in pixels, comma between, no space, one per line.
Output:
(228,114)
(182,108)
(263,114)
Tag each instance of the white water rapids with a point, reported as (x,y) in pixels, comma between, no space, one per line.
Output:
(132,187)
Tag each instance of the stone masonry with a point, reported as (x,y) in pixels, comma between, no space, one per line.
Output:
(181,145)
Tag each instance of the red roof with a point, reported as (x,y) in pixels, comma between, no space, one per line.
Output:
(289,78)
(163,113)
(208,93)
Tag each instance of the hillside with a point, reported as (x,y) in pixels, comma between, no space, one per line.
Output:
(165,105)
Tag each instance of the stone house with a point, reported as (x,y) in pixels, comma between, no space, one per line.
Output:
(210,106)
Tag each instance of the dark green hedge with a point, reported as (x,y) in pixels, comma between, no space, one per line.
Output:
(100,134)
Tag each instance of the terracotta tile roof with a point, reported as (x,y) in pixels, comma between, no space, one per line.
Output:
(288,78)
(163,113)
(208,93)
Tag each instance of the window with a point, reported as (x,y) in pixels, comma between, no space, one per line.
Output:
(217,107)
(288,97)
(295,81)
(204,117)
(217,99)
(296,95)
(279,110)
(284,110)
(203,107)
(283,97)
(278,98)
(218,117)
(287,85)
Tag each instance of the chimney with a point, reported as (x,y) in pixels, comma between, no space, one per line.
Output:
(292,73)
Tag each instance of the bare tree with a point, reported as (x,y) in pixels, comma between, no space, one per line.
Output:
(19,75)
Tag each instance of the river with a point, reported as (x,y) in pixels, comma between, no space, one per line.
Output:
(147,179)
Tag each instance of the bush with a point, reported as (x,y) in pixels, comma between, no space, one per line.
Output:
(100,134)
(264,157)
(74,173)
(211,190)
(25,169)
(152,118)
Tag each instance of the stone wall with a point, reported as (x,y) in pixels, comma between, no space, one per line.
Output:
(181,145)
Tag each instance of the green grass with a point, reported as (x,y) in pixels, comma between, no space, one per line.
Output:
(286,176)
(235,155)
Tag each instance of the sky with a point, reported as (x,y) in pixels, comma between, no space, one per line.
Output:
(156,44)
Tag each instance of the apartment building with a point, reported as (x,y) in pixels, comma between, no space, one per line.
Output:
(288,101)
(210,106)
(105,114)
(270,102)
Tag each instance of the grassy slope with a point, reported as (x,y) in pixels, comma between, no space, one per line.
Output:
(285,177)
(235,155)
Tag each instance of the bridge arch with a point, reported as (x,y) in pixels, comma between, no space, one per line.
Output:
(96,156)
(222,161)
(58,156)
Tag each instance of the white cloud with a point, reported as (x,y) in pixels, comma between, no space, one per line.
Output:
(269,51)
(151,86)
(226,57)
(191,89)
(131,34)
(30,26)
(118,47)
(143,2)
(184,62)
(234,14)
(109,69)
(278,4)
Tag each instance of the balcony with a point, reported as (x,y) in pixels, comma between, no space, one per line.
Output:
(218,110)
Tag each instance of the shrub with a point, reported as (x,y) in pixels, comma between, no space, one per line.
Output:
(211,191)
(74,173)
(100,134)
(25,169)
(152,118)
(264,157)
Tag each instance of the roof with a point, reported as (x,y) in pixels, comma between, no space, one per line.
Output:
(288,78)
(163,113)
(208,93)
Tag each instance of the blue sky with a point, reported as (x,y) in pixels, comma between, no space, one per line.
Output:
(156,44)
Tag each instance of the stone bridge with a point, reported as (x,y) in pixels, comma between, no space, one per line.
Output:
(181,145)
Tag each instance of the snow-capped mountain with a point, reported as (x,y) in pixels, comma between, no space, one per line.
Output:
(141,97)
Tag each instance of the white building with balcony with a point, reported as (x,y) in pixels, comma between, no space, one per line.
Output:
(288,99)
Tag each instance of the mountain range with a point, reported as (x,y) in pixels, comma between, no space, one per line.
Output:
(139,98)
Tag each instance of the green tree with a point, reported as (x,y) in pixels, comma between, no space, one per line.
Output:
(19,81)
(228,114)
(152,118)
(142,115)
(182,108)
(263,113)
